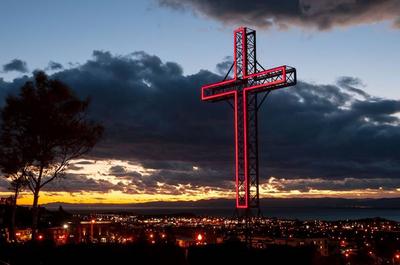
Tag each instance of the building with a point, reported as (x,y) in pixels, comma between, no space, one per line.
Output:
(320,243)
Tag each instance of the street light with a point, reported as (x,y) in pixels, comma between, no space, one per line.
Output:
(200,239)
(396,258)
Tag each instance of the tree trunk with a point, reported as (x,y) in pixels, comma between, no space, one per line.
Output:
(35,213)
(13,214)
(35,207)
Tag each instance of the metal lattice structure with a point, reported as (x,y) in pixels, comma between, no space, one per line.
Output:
(247,82)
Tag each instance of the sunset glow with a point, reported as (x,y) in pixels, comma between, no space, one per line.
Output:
(114,182)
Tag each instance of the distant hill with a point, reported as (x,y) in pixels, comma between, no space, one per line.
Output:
(386,203)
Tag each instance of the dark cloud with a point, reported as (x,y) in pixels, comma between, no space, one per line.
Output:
(224,66)
(84,162)
(54,66)
(114,170)
(319,14)
(345,184)
(15,65)
(154,117)
(352,84)
(75,167)
(4,185)
(81,183)
(167,164)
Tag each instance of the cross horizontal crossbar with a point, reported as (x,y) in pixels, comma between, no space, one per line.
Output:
(270,79)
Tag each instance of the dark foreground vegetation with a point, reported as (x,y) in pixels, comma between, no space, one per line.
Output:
(238,254)
(48,254)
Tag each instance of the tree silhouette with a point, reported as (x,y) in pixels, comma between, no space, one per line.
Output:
(44,128)
(12,168)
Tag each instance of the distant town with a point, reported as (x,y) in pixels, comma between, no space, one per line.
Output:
(365,241)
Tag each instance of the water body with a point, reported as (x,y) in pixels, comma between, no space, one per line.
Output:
(332,214)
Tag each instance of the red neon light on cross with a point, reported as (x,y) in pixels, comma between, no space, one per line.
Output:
(242,77)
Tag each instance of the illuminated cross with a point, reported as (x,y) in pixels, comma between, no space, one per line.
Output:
(247,82)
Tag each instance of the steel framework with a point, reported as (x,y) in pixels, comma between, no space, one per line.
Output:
(247,82)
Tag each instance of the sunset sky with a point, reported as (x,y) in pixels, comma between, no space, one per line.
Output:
(142,63)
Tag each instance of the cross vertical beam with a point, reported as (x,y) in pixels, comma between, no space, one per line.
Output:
(247,82)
